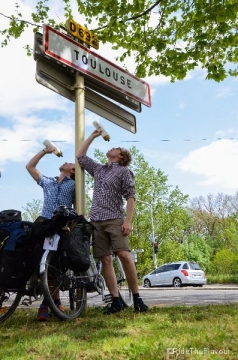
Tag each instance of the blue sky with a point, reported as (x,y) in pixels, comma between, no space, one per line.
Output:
(197,118)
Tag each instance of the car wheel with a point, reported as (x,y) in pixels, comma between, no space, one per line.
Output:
(177,282)
(147,283)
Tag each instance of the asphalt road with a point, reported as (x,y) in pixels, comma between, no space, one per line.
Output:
(189,296)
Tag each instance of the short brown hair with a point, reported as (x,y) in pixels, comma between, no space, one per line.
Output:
(125,157)
(72,174)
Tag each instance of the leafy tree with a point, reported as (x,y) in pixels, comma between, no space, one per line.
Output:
(170,250)
(197,249)
(227,238)
(225,262)
(208,213)
(167,38)
(32,210)
(215,219)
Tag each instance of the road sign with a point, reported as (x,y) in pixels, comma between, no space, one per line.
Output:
(137,250)
(89,82)
(82,33)
(134,254)
(94,67)
(52,76)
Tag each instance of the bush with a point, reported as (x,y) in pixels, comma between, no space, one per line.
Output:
(222,279)
(224,262)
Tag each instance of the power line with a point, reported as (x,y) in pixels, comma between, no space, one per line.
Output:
(186,140)
(31,140)
(163,140)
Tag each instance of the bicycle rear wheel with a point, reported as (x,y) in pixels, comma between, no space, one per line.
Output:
(125,293)
(9,301)
(59,281)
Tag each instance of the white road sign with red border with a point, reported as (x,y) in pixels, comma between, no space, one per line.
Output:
(71,53)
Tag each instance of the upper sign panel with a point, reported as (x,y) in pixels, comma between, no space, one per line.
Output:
(69,52)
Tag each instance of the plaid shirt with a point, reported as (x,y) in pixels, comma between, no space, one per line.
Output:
(112,183)
(56,194)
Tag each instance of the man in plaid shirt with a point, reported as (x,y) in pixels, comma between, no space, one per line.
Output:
(113,182)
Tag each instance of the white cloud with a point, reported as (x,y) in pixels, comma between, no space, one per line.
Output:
(215,163)
(182,105)
(224,92)
(28,110)
(230,132)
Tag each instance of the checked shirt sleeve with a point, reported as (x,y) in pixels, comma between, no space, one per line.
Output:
(128,184)
(88,164)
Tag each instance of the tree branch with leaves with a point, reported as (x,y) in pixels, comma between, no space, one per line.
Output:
(165,37)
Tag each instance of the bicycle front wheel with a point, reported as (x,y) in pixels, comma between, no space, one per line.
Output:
(125,293)
(59,282)
(9,301)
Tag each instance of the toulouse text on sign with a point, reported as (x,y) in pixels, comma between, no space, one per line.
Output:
(69,52)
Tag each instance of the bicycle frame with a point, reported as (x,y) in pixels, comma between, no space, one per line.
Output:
(43,261)
(98,282)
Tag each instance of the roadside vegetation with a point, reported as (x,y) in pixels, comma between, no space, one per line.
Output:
(222,279)
(198,332)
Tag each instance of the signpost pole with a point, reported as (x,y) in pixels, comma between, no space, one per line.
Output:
(79,138)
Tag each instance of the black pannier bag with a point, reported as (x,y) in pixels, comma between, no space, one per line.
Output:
(10,215)
(15,254)
(74,246)
(4,234)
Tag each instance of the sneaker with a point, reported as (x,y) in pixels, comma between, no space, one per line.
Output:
(140,306)
(43,314)
(60,307)
(113,308)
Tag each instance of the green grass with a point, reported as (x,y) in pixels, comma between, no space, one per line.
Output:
(198,332)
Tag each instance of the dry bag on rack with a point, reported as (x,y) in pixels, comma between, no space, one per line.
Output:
(15,254)
(74,247)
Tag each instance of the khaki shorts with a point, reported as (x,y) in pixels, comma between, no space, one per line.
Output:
(108,238)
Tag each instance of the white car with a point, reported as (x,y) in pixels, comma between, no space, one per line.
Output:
(177,274)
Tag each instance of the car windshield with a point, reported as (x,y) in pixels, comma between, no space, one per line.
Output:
(194,266)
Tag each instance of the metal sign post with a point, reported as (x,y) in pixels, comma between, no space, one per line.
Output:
(79,138)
